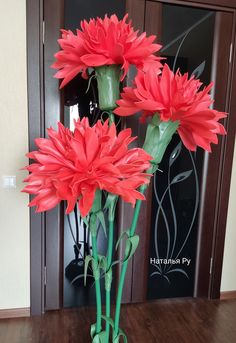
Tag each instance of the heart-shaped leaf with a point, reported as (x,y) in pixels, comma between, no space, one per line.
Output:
(123,234)
(131,246)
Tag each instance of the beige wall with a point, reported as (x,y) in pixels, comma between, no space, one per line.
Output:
(14,216)
(228,281)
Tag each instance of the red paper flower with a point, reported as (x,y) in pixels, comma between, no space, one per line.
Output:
(72,166)
(177,98)
(103,42)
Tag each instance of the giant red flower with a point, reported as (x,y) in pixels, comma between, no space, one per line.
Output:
(175,97)
(71,166)
(103,42)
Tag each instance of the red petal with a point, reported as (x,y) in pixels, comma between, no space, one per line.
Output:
(86,202)
(93,60)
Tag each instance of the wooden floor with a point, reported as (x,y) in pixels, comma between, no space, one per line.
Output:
(164,321)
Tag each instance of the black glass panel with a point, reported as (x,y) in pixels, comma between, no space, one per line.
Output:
(77,244)
(77,10)
(187,38)
(80,101)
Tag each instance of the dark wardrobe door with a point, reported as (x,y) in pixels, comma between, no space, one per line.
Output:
(180,221)
(177,185)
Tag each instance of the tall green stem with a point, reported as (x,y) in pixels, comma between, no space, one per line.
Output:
(125,264)
(109,261)
(111,204)
(97,285)
(111,117)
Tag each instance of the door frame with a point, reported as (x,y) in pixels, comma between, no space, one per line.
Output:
(34,17)
(38,105)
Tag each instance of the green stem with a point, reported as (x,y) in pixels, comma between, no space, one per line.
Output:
(97,287)
(125,264)
(109,261)
(111,204)
(111,118)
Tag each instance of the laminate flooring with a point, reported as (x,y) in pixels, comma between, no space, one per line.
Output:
(163,321)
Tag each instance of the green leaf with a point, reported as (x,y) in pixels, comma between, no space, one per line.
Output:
(120,334)
(109,200)
(95,268)
(97,201)
(96,271)
(101,337)
(93,225)
(102,262)
(97,213)
(116,262)
(108,273)
(131,246)
(109,320)
(111,205)
(123,234)
(100,216)
(93,330)
(108,279)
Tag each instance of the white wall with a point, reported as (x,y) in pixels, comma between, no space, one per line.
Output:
(228,281)
(14,215)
